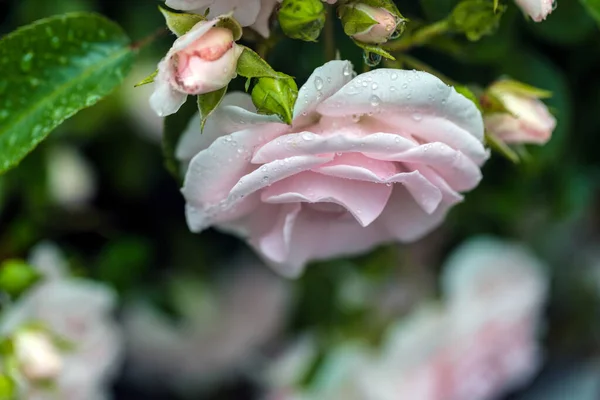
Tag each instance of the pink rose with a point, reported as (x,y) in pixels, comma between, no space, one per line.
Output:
(528,120)
(201,61)
(538,10)
(371,159)
(252,13)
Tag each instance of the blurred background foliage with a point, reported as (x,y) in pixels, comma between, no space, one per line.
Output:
(133,235)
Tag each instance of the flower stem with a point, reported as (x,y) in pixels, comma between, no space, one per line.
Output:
(329,35)
(420,37)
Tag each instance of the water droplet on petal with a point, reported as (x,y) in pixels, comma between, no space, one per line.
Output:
(394,76)
(347,70)
(375,101)
(417,117)
(318,83)
(374,86)
(308,136)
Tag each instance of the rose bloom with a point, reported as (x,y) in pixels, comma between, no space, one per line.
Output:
(538,10)
(79,312)
(252,13)
(221,333)
(201,61)
(528,120)
(371,159)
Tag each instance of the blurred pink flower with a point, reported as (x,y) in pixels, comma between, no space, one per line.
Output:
(79,312)
(201,61)
(371,159)
(527,120)
(538,10)
(481,343)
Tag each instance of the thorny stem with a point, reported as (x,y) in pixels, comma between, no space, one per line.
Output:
(419,37)
(149,39)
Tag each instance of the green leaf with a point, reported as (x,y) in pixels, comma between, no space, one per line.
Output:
(52,69)
(174,126)
(208,102)
(251,65)
(593,8)
(149,79)
(180,23)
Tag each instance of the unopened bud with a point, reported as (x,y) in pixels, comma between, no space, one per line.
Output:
(276,96)
(476,18)
(369,24)
(302,19)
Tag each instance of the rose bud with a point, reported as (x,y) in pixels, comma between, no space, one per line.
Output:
(524,118)
(201,61)
(302,19)
(368,24)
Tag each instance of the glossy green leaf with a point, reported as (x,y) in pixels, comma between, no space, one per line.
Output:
(51,70)
(251,65)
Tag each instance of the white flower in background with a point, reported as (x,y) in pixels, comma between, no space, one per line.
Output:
(220,335)
(479,344)
(77,311)
(71,180)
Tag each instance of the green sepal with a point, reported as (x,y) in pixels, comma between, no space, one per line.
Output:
(208,102)
(228,22)
(373,48)
(180,23)
(468,93)
(251,65)
(500,147)
(276,96)
(519,89)
(354,20)
(149,79)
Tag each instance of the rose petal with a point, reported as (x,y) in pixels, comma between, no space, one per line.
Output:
(324,82)
(406,220)
(308,143)
(309,227)
(414,93)
(274,171)
(165,100)
(364,200)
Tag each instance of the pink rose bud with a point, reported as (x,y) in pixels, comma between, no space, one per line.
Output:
(527,119)
(201,61)
(384,27)
(538,10)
